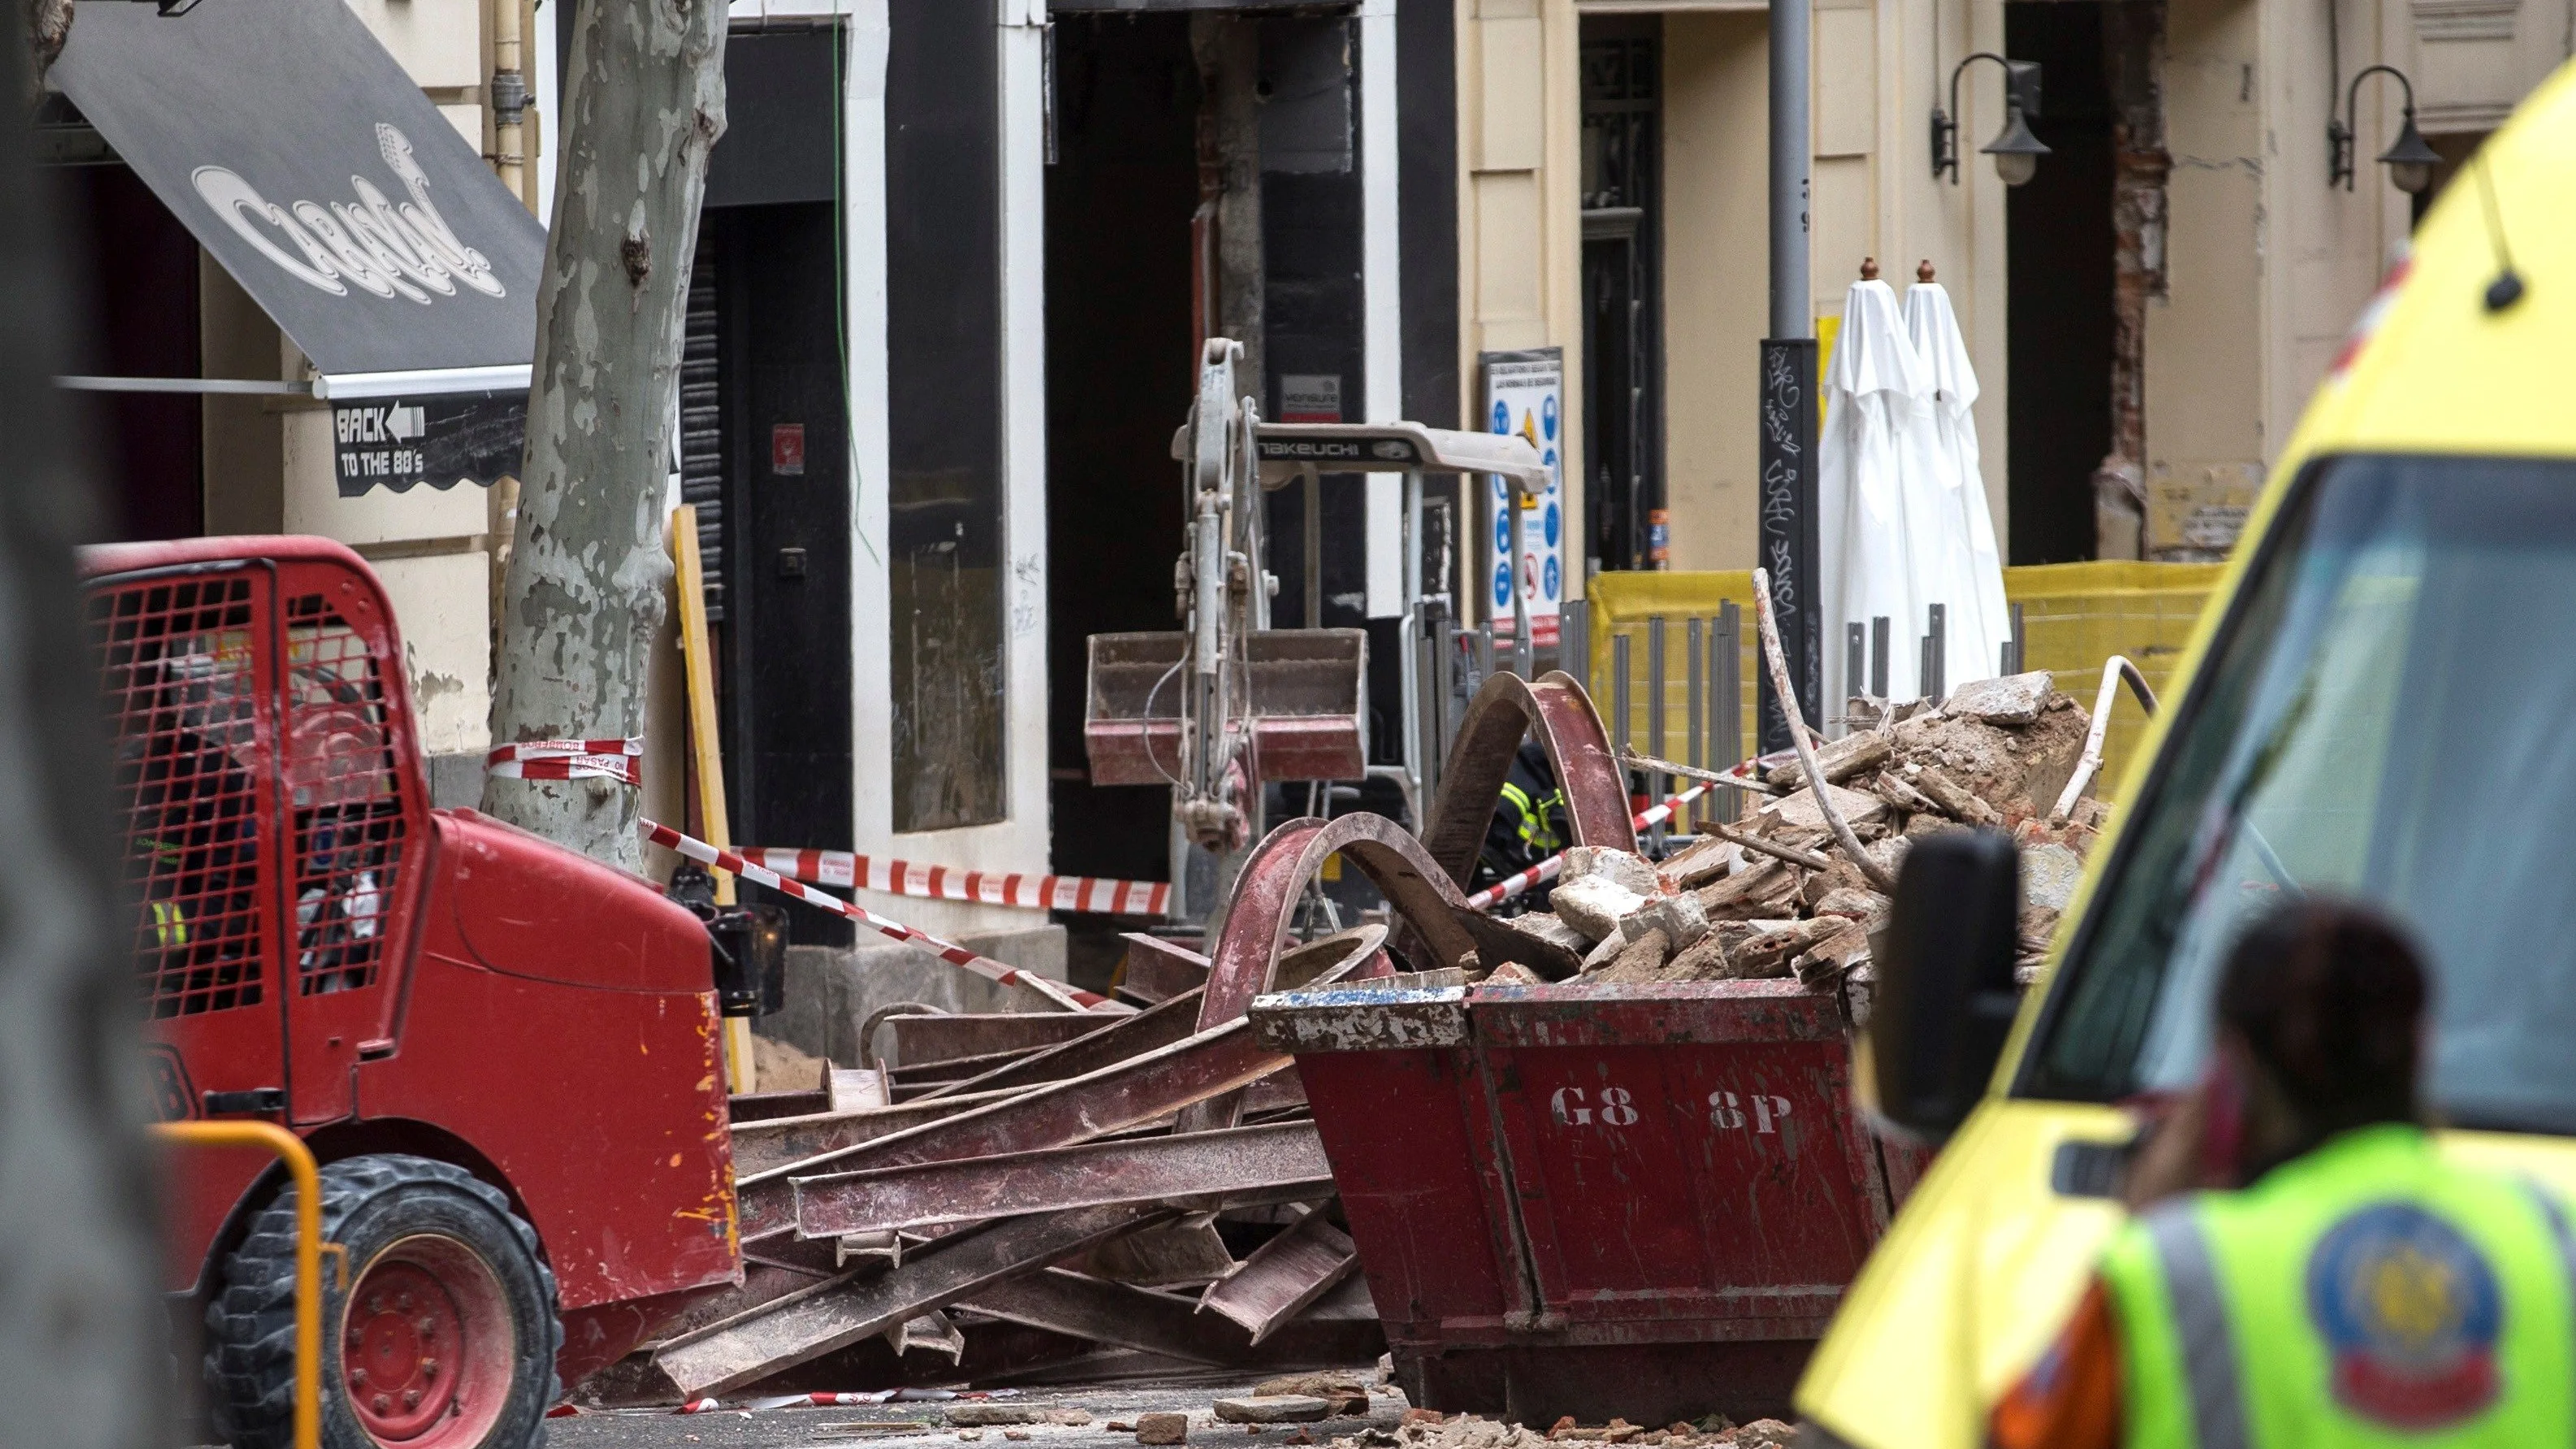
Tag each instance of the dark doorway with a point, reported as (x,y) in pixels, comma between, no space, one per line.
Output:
(765,300)
(1623,423)
(143,298)
(2058,241)
(1119,380)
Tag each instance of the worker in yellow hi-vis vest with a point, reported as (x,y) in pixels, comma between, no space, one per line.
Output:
(2348,1281)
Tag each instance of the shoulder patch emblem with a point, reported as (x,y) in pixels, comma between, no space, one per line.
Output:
(2410,1313)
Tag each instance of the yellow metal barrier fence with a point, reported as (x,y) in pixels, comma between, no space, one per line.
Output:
(2073,617)
(308,1250)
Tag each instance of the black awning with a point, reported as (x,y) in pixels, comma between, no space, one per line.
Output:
(299,153)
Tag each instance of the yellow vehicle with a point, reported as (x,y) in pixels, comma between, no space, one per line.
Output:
(2380,701)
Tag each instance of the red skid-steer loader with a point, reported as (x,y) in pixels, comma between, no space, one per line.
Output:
(504,1055)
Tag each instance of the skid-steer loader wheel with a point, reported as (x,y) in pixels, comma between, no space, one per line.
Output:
(444,1337)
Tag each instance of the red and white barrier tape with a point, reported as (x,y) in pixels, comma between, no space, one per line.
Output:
(945,883)
(569,760)
(1546,870)
(698,850)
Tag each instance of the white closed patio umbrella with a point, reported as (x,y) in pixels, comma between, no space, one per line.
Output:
(1956,561)
(1872,463)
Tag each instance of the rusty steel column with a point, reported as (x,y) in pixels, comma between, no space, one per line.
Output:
(2133,56)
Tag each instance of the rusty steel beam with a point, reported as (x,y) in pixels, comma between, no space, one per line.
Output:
(1208,1064)
(1140,1169)
(1158,970)
(1276,873)
(1284,1275)
(804,1326)
(1267,888)
(1556,709)
(1127,1036)
(1112,1313)
(919,1040)
(1112,1099)
(759,1147)
(1156,1026)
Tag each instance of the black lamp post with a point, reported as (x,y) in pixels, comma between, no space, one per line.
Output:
(2410,162)
(2015,149)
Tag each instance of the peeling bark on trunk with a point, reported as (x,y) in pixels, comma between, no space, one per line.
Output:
(643,105)
(2133,51)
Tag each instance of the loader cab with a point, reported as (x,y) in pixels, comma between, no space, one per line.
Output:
(2374,704)
(271,809)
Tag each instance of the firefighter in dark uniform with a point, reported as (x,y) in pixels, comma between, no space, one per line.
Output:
(1529,823)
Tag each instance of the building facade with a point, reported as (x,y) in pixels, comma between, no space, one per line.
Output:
(2147,315)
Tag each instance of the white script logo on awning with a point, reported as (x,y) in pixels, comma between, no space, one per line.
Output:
(388,249)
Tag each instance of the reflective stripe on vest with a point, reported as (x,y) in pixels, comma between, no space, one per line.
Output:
(2200,1321)
(2559,1233)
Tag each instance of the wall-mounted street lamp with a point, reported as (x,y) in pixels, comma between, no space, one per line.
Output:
(2015,149)
(2409,161)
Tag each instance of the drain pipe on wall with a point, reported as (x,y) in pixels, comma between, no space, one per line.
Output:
(508,96)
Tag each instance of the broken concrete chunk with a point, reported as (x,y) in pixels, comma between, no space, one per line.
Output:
(1619,867)
(1954,799)
(1678,916)
(1513,973)
(1822,963)
(1548,928)
(1853,903)
(1769,953)
(1274,1409)
(1641,960)
(1162,1428)
(1344,1392)
(1595,905)
(2048,875)
(1799,811)
(1705,861)
(1766,887)
(1892,788)
(1853,754)
(1608,951)
(1703,962)
(2013,699)
(987,1416)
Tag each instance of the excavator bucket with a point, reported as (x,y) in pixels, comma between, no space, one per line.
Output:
(1306,699)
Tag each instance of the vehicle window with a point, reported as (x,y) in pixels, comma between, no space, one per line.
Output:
(347,802)
(180,689)
(2388,716)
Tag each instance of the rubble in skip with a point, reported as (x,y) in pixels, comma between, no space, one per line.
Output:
(1775,895)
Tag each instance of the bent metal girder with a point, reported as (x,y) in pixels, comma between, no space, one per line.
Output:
(1508,707)
(1277,873)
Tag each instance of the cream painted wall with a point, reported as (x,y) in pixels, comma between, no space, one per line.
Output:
(2207,353)
(1520,259)
(1716,302)
(2267,266)
(1874,196)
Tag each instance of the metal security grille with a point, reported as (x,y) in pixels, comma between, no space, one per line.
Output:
(702,422)
(346,800)
(181,683)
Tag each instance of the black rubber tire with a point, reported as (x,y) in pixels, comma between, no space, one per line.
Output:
(369,1203)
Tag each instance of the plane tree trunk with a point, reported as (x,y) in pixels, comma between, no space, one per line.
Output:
(643,105)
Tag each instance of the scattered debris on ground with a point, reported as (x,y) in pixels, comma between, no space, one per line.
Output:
(1774,895)
(1426,1429)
